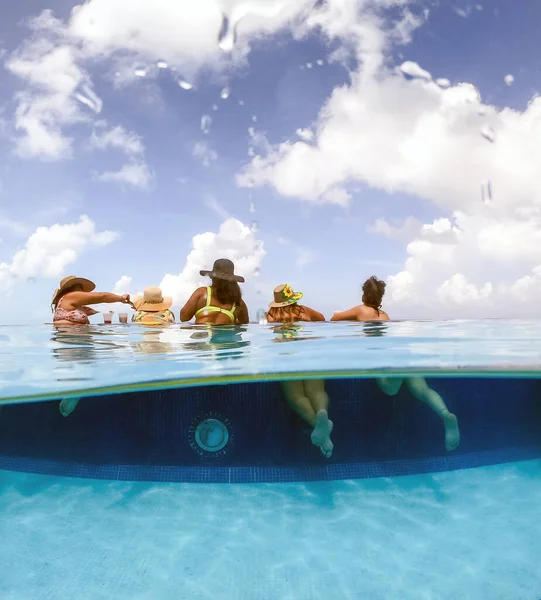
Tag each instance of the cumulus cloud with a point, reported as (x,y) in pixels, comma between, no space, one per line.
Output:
(405,231)
(117,138)
(234,240)
(205,153)
(49,250)
(137,39)
(442,143)
(135,174)
(123,285)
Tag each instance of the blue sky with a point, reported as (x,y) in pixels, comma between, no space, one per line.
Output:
(323,248)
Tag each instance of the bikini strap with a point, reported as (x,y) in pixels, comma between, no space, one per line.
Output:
(209,296)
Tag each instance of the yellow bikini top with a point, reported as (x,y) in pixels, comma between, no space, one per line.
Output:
(209,308)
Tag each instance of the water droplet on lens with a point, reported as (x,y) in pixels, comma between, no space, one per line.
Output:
(241,102)
(161,64)
(254,118)
(320,62)
(251,132)
(185,85)
(486,193)
(251,151)
(252,208)
(224,94)
(488,133)
(228,35)
(206,122)
(214,107)
(261,315)
(140,72)
(309,65)
(254,226)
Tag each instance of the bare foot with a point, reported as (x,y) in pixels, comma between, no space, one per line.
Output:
(452,434)
(321,436)
(67,406)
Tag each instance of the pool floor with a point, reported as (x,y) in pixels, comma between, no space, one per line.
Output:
(456,535)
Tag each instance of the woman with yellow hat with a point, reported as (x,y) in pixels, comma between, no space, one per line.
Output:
(70,301)
(307,398)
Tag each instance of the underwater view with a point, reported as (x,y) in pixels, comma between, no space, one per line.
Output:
(270,277)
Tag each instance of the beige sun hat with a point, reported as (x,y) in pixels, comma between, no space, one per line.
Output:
(153,300)
(70,281)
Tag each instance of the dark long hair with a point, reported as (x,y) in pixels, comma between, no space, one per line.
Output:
(285,314)
(373,292)
(226,292)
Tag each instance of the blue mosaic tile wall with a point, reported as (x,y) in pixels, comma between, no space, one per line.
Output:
(146,435)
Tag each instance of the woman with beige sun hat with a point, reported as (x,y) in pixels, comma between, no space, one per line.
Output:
(307,398)
(153,308)
(70,301)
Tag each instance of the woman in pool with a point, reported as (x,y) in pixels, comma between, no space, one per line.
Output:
(220,303)
(153,308)
(370,310)
(306,397)
(70,301)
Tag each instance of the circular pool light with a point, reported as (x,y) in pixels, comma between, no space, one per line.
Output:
(211,435)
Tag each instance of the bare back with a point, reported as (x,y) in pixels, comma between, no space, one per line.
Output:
(361,313)
(306,315)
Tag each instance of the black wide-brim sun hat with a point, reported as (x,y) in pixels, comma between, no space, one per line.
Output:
(223,269)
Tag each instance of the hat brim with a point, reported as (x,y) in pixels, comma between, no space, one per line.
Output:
(87,285)
(293,300)
(153,306)
(220,275)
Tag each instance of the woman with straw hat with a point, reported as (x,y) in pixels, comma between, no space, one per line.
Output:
(70,301)
(221,302)
(153,308)
(306,397)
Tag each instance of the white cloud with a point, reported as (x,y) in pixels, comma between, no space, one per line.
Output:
(234,240)
(49,250)
(117,138)
(183,35)
(439,142)
(442,82)
(405,231)
(135,174)
(204,152)
(49,105)
(123,285)
(305,134)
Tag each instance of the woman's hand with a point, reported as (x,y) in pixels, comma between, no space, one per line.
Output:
(125,299)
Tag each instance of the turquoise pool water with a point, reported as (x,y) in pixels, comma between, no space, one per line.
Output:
(447,536)
(42,362)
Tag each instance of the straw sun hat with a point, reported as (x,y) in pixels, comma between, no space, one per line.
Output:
(284,296)
(153,300)
(70,281)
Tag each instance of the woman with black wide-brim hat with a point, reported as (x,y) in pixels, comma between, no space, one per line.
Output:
(221,302)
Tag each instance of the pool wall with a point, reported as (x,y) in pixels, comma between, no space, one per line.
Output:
(150,435)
